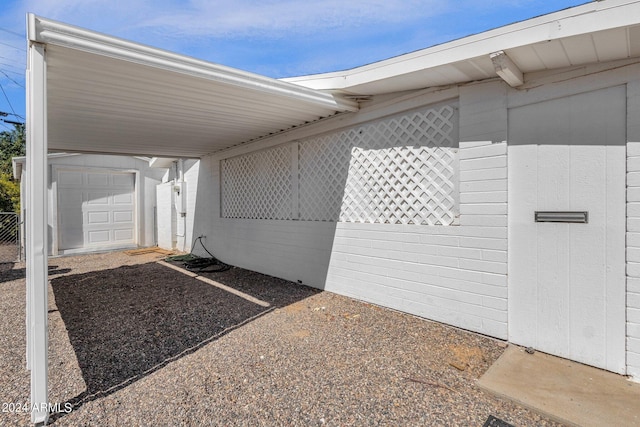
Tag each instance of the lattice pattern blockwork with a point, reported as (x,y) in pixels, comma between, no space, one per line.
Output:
(400,170)
(323,168)
(258,185)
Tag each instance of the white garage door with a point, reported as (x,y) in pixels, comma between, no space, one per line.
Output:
(96,209)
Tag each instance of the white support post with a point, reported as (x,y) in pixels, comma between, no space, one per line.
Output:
(36,241)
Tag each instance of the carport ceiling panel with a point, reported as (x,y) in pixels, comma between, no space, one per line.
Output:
(102,104)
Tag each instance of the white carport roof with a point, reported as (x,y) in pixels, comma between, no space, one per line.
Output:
(89,92)
(109,95)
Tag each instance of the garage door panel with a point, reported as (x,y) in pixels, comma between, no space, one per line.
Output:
(70,218)
(98,179)
(123,216)
(70,179)
(125,180)
(70,199)
(97,198)
(121,199)
(98,217)
(123,235)
(95,209)
(73,239)
(98,236)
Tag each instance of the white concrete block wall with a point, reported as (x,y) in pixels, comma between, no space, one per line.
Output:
(633,258)
(292,250)
(633,230)
(165,216)
(148,222)
(191,175)
(483,112)
(201,201)
(452,274)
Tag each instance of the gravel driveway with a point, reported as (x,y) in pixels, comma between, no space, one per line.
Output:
(134,343)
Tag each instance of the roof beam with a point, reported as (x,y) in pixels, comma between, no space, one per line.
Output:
(507,69)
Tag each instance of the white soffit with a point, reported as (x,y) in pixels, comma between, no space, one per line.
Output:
(108,95)
(594,32)
(161,162)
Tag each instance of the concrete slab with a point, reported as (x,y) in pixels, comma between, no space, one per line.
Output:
(569,392)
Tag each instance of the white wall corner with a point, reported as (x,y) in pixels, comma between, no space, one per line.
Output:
(633,259)
(633,112)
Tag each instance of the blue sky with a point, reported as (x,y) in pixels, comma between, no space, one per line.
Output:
(277,38)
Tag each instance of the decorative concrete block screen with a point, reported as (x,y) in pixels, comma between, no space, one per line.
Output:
(398,170)
(324,169)
(258,185)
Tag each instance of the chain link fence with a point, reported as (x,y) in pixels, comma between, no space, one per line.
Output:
(10,242)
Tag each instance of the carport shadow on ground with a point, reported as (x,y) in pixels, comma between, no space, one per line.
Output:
(9,272)
(128,322)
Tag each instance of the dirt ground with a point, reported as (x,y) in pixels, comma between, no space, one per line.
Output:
(133,342)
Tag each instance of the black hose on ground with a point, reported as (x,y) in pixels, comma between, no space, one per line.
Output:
(199,264)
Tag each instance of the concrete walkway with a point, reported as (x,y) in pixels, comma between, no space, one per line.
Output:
(569,392)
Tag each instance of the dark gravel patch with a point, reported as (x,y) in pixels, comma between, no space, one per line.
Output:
(144,345)
(277,292)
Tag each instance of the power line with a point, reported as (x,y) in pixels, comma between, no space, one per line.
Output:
(17,71)
(12,32)
(13,60)
(9,102)
(12,122)
(7,76)
(15,47)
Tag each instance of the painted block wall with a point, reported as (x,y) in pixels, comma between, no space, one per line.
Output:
(183,240)
(633,229)
(294,250)
(464,271)
(454,274)
(165,216)
(198,209)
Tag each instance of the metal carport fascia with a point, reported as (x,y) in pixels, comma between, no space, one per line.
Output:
(259,95)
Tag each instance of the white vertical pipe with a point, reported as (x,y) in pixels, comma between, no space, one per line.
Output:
(37,228)
(181,226)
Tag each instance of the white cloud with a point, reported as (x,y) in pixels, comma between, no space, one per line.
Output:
(238,18)
(277,18)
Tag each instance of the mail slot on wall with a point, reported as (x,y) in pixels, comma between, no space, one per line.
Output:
(581,217)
